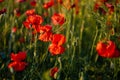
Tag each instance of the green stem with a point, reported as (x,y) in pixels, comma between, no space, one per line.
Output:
(73,55)
(13,77)
(59,61)
(81,33)
(30,37)
(91,53)
(60,67)
(35,45)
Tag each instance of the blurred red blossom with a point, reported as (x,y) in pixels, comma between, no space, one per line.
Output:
(58,39)
(55,49)
(27,24)
(98,6)
(17,66)
(51,3)
(20,1)
(110,8)
(1,1)
(19,56)
(46,33)
(46,36)
(45,28)
(17,61)
(48,4)
(33,21)
(107,50)
(36,28)
(14,29)
(3,11)
(17,12)
(33,3)
(30,12)
(53,72)
(76,6)
(58,19)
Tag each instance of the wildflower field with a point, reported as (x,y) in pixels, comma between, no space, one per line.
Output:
(59,39)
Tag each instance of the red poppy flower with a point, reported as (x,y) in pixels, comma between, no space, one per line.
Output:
(48,4)
(17,63)
(18,57)
(96,6)
(107,50)
(17,12)
(46,36)
(17,66)
(77,6)
(99,3)
(58,19)
(53,71)
(14,29)
(55,49)
(60,1)
(58,39)
(117,53)
(35,19)
(101,47)
(45,28)
(20,1)
(1,1)
(3,11)
(33,3)
(110,8)
(36,28)
(30,12)
(27,24)
(45,33)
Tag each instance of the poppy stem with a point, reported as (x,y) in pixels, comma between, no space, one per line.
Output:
(73,55)
(81,35)
(60,67)
(13,77)
(59,60)
(30,37)
(96,34)
(35,45)
(10,42)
